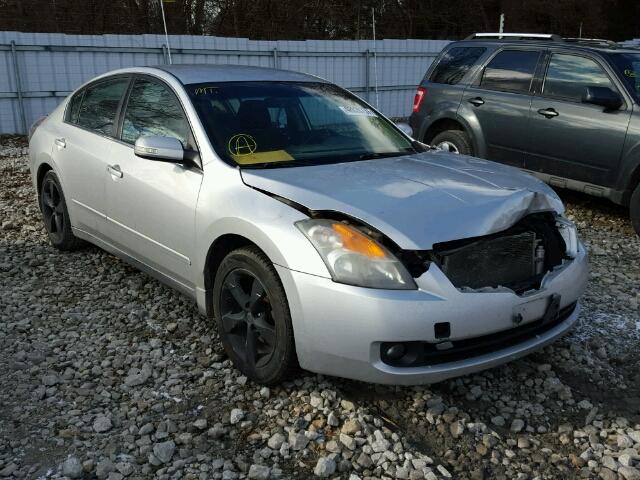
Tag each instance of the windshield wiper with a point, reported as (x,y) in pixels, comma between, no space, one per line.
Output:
(374,155)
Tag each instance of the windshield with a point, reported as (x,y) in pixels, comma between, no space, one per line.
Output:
(277,124)
(628,64)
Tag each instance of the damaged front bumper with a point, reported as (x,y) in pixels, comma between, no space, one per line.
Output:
(344,331)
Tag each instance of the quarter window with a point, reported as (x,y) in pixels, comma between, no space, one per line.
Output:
(154,110)
(73,109)
(569,75)
(454,64)
(511,71)
(99,105)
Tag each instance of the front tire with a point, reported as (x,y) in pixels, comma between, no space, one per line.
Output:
(453,141)
(252,315)
(55,214)
(634,209)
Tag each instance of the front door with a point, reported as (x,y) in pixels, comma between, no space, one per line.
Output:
(571,139)
(499,101)
(152,204)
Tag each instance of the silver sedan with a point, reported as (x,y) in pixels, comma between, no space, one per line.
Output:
(312,229)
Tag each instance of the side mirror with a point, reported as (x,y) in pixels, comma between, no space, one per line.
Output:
(602,96)
(405,128)
(167,149)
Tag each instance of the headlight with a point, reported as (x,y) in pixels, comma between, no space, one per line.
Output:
(569,234)
(354,258)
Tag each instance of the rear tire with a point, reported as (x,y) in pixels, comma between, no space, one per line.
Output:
(253,318)
(454,141)
(634,209)
(55,214)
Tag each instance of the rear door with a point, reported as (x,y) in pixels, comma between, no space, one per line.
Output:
(151,203)
(498,101)
(82,147)
(571,139)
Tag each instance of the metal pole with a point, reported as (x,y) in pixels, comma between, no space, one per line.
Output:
(275,58)
(367,82)
(375,57)
(580,32)
(501,28)
(166,35)
(16,73)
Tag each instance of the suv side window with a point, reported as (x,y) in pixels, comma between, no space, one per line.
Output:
(153,109)
(454,64)
(568,76)
(510,71)
(100,104)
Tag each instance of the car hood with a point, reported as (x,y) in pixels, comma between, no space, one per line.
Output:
(416,200)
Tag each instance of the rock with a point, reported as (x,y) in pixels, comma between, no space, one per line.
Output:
(624,441)
(606,474)
(200,424)
(72,467)
(351,427)
(517,425)
(104,468)
(102,424)
(8,470)
(498,421)
(236,416)
(348,441)
(138,376)
(325,467)
(456,429)
(276,441)
(164,451)
(50,380)
(298,441)
(629,473)
(333,420)
(259,472)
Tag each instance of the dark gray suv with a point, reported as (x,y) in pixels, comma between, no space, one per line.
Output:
(566,110)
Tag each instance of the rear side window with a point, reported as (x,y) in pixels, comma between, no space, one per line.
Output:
(100,104)
(569,75)
(510,71)
(454,64)
(154,110)
(73,108)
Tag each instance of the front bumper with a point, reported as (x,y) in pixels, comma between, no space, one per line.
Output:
(339,328)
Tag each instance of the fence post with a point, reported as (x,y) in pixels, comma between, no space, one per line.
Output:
(367,81)
(275,58)
(16,73)
(164,54)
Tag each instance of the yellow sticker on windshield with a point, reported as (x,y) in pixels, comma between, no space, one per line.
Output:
(263,157)
(630,73)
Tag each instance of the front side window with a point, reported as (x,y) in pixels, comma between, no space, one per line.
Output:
(154,110)
(510,71)
(73,109)
(100,104)
(628,67)
(569,75)
(292,123)
(454,64)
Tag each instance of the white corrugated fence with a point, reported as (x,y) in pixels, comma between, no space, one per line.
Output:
(38,70)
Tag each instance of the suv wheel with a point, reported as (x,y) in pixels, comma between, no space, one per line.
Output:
(634,209)
(454,141)
(55,214)
(253,316)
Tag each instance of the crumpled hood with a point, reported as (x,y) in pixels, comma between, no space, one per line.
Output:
(416,200)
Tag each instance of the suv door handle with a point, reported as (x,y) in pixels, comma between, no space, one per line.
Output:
(477,101)
(60,142)
(115,170)
(548,112)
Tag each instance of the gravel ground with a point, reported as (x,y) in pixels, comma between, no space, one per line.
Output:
(106,373)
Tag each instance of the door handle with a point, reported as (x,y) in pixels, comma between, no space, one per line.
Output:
(115,171)
(60,142)
(548,112)
(477,101)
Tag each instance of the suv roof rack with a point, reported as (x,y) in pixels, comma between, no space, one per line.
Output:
(596,42)
(516,36)
(593,41)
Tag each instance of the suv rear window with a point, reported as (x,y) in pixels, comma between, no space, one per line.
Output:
(454,64)
(510,70)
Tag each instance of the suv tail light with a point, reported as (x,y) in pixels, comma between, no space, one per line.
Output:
(417,100)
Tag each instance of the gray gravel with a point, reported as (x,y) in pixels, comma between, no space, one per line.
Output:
(108,374)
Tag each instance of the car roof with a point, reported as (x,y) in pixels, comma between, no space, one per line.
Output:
(198,73)
(570,45)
